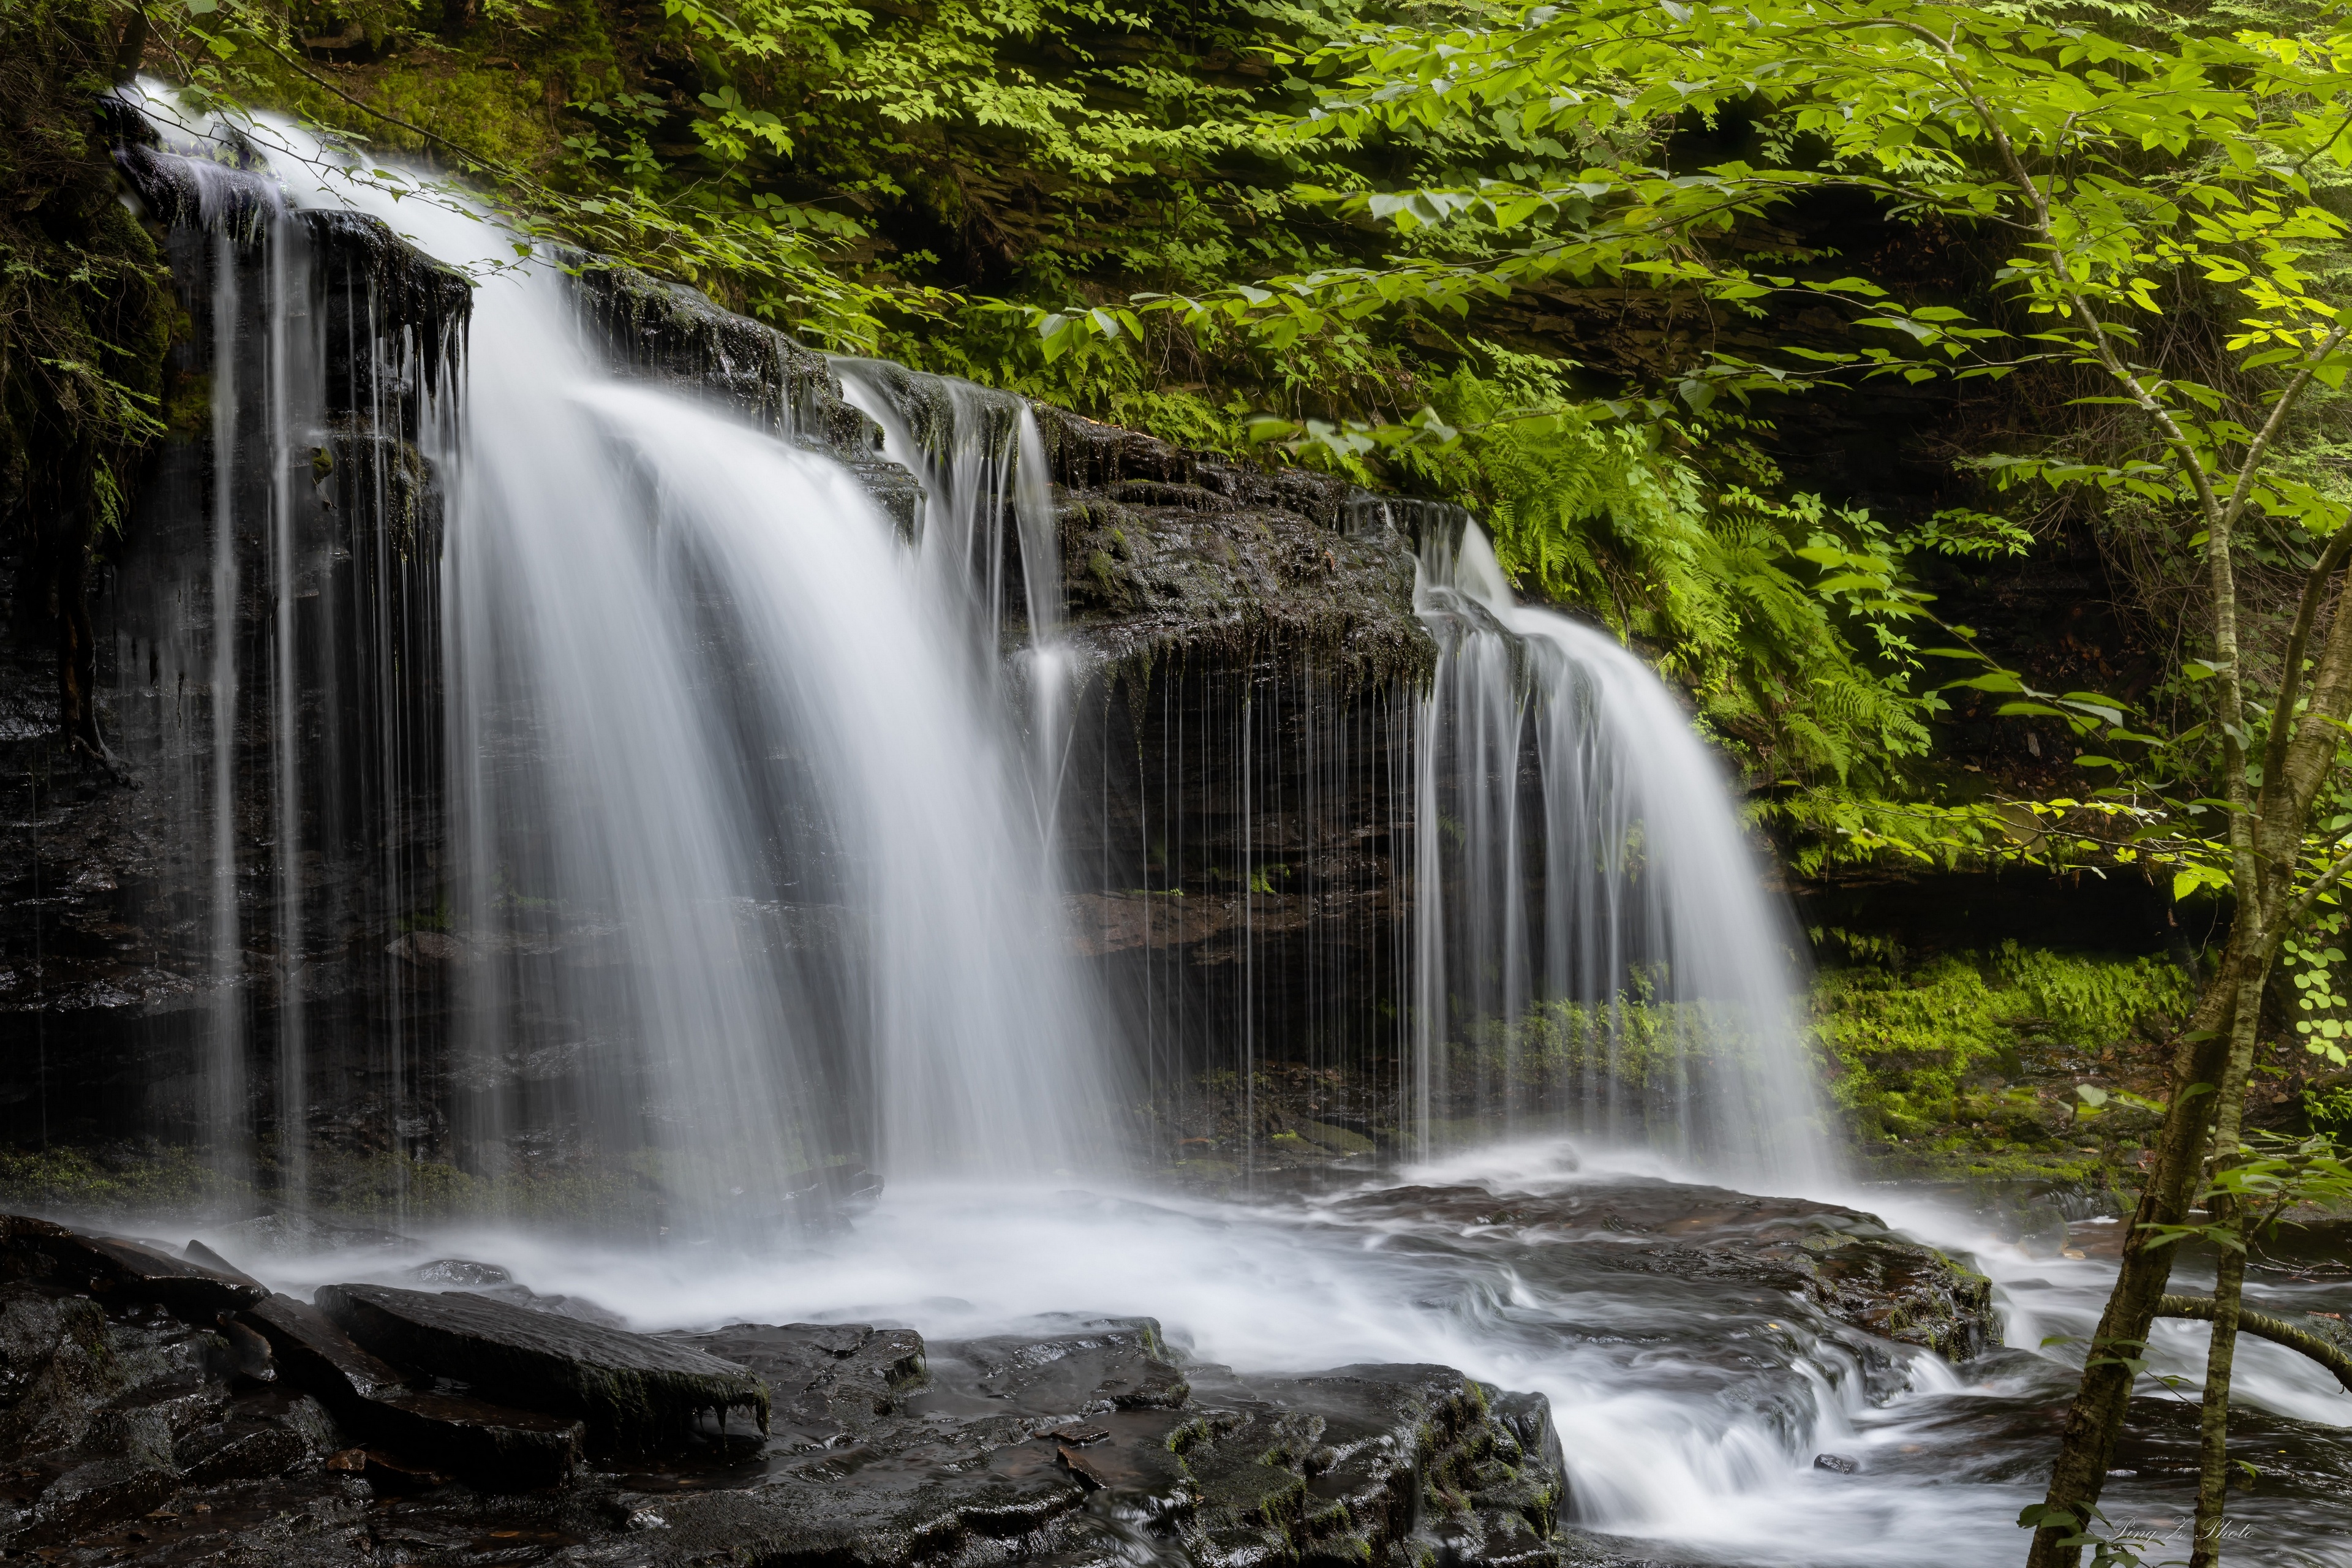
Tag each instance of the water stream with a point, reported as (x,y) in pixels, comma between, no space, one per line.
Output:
(1691,1410)
(1593,947)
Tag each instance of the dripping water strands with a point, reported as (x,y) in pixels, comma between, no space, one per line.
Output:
(987,547)
(267,641)
(1593,949)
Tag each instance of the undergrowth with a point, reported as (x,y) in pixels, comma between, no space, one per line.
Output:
(1952,1041)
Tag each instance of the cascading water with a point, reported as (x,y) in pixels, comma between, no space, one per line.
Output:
(268,643)
(980,462)
(1593,950)
(743,882)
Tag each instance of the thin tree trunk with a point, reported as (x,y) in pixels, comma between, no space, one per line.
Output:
(2096,1421)
(2229,1288)
(2213,1418)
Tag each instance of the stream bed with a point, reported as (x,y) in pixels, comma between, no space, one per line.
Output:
(1705,1413)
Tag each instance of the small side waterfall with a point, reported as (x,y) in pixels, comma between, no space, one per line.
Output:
(1593,948)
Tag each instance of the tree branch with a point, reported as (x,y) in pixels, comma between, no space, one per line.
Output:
(2244,487)
(2300,911)
(2314,587)
(2322,1349)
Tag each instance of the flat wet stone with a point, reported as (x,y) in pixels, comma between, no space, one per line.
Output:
(1846,1262)
(826,1381)
(487,1444)
(634,1391)
(112,1264)
(463,1273)
(1096,1365)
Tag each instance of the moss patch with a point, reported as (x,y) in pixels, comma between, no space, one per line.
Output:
(113,1180)
(1969,1062)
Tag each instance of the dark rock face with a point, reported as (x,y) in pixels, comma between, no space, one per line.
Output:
(634,1392)
(1181,555)
(1080,1444)
(1239,793)
(116,955)
(670,333)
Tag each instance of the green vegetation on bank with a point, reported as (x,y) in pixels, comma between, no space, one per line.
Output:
(1975,1060)
(85,315)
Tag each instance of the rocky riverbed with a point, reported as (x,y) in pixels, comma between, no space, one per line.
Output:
(160,1406)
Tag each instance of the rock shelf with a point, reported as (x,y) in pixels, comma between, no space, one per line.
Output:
(135,1431)
(634,1391)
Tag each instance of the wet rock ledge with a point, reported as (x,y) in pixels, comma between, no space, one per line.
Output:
(158,1407)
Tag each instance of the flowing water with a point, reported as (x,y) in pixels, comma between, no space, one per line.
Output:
(751,864)
(745,879)
(1690,1411)
(1593,946)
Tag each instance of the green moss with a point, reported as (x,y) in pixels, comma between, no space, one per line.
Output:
(111,1182)
(1970,1060)
(1966,1063)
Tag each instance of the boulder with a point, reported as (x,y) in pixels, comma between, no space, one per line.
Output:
(634,1391)
(463,1273)
(1099,1364)
(830,1382)
(1030,1447)
(112,1411)
(1847,1263)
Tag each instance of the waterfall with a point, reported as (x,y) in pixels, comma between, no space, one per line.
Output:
(267,634)
(980,463)
(695,816)
(1594,950)
(744,873)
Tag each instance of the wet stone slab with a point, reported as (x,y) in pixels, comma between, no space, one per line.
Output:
(1086,1441)
(1842,1261)
(634,1391)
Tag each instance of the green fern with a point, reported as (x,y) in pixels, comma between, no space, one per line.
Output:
(1590,511)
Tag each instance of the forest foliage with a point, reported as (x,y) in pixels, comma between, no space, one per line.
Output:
(1599,272)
